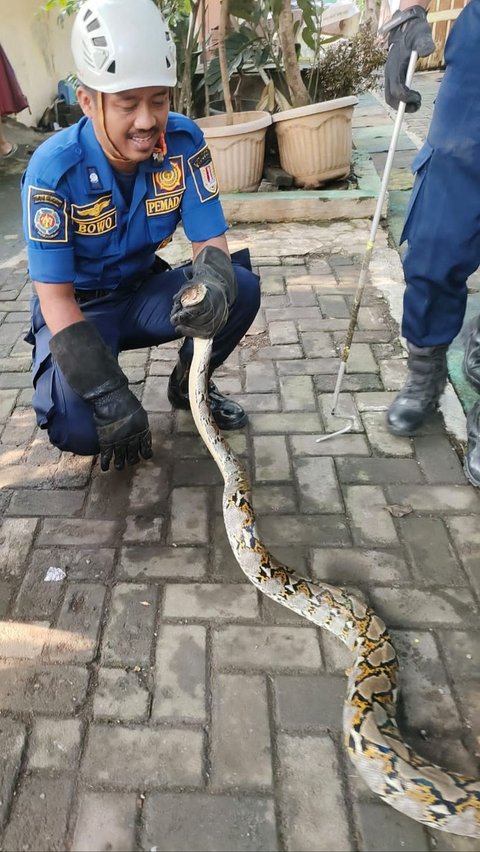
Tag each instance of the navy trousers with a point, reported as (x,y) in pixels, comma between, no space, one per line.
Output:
(127,319)
(442,225)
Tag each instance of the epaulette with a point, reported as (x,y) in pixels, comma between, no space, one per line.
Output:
(178,123)
(55,157)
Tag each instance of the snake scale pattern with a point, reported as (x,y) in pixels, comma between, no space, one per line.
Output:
(423,791)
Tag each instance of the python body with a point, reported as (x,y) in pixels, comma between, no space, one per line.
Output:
(433,796)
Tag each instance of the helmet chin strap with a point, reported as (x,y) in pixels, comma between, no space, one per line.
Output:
(113,154)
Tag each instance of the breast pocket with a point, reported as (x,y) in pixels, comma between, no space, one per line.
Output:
(163,215)
(95,228)
(419,168)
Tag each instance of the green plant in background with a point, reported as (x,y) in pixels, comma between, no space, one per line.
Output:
(297,64)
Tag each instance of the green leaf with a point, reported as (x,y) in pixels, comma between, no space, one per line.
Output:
(242,9)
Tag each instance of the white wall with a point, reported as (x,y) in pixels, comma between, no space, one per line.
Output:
(39,50)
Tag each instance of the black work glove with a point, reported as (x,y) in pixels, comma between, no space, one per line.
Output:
(94,374)
(412,32)
(212,268)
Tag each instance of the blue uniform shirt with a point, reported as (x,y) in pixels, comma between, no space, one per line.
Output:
(77,224)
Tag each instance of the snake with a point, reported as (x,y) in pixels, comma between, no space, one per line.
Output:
(436,797)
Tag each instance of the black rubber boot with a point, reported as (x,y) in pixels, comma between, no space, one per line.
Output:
(471,464)
(227,413)
(471,360)
(426,380)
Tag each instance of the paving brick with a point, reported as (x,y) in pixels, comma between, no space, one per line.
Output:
(75,636)
(344,408)
(318,344)
(297,393)
(427,702)
(260,378)
(128,635)
(138,528)
(240,736)
(189,516)
(283,331)
(20,640)
(285,423)
(310,794)
(381,440)
(327,530)
(371,522)
(343,445)
(271,458)
(385,830)
(431,552)
(210,601)
(438,460)
(466,535)
(145,561)
(30,687)
(378,471)
(106,821)
(193,472)
(346,565)
(170,756)
(47,502)
(46,801)
(16,538)
(77,532)
(445,606)
(253,648)
(19,429)
(228,823)
(436,498)
(12,740)
(54,744)
(121,695)
(317,485)
(462,652)
(180,673)
(306,704)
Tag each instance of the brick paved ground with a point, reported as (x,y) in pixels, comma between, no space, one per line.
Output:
(152,699)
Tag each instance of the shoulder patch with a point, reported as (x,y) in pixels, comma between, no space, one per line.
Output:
(47,216)
(204,175)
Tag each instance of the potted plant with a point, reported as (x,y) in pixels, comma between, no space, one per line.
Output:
(314,63)
(236,139)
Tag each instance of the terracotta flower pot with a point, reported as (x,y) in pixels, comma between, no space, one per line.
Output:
(237,143)
(315,141)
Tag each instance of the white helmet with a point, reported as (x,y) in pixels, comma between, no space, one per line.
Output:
(122,44)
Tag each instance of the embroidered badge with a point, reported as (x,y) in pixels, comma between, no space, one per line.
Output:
(160,206)
(170,180)
(47,216)
(47,198)
(94,178)
(90,220)
(202,158)
(46,222)
(204,175)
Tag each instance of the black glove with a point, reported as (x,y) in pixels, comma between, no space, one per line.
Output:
(93,373)
(409,30)
(212,268)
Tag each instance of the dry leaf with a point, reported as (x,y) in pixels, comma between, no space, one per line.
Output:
(399,511)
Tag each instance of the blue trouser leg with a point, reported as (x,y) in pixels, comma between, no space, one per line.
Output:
(443,221)
(126,320)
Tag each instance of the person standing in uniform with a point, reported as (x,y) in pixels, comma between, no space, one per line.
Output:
(442,225)
(99,199)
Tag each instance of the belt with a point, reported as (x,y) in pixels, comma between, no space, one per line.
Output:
(88,295)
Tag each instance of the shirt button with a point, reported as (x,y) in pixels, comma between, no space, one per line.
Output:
(78,150)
